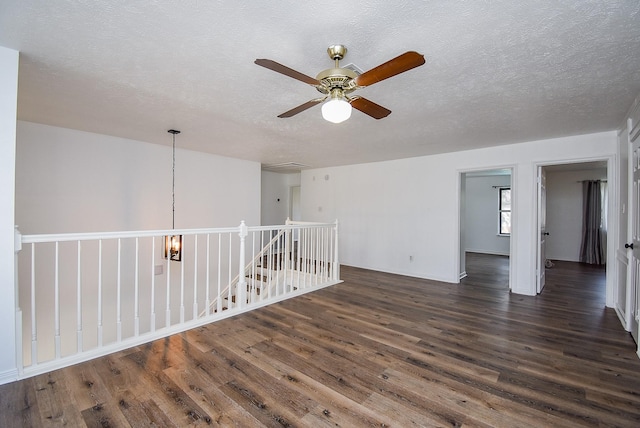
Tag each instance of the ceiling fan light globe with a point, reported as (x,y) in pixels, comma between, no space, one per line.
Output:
(336,110)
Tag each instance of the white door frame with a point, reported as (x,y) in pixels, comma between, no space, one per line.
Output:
(612,223)
(540,219)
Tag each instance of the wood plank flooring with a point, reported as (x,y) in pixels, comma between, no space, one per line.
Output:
(486,270)
(376,350)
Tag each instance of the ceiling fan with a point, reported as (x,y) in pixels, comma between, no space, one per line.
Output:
(336,84)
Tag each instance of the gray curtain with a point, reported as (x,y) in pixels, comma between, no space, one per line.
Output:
(591,248)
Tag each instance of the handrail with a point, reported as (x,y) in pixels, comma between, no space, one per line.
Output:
(86,236)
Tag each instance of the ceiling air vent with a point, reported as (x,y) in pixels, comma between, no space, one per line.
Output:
(354,68)
(285,167)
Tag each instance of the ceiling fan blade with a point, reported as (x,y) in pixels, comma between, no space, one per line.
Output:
(374,110)
(282,69)
(397,65)
(301,108)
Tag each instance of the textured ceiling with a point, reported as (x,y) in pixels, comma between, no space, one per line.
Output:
(497,72)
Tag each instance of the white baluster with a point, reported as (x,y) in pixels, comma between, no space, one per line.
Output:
(219,294)
(304,261)
(136,291)
(336,260)
(318,255)
(79,301)
(152,321)
(99,293)
(278,259)
(195,277)
(285,286)
(119,294)
(229,294)
(266,267)
(325,253)
(254,280)
(182,286)
(56,299)
(207,298)
(310,255)
(320,271)
(298,256)
(167,310)
(241,298)
(321,258)
(34,328)
(314,264)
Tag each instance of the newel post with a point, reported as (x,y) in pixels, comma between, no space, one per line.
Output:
(17,247)
(241,295)
(336,259)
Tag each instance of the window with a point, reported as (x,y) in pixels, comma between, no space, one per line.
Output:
(505,211)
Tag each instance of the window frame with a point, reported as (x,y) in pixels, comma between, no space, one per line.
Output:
(501,210)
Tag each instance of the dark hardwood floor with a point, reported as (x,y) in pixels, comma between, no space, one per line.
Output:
(376,350)
(486,270)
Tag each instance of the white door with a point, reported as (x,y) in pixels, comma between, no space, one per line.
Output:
(294,207)
(623,268)
(633,290)
(542,227)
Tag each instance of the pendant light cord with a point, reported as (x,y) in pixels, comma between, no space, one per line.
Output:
(173,186)
(173,180)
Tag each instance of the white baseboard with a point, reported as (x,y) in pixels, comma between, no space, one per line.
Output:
(8,376)
(463,274)
(451,280)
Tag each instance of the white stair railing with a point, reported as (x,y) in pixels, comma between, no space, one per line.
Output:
(247,270)
(86,295)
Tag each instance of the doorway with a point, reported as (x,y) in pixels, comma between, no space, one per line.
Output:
(561,212)
(485,228)
(294,203)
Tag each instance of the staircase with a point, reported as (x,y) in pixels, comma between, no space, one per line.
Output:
(278,269)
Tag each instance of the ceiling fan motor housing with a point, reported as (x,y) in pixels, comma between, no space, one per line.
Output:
(333,78)
(336,78)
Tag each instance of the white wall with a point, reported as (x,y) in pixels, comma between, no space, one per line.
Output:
(481,215)
(564,212)
(276,194)
(73,181)
(389,211)
(8,110)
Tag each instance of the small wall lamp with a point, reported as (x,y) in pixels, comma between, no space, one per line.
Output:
(173,247)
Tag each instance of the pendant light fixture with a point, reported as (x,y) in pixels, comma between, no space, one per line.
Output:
(173,243)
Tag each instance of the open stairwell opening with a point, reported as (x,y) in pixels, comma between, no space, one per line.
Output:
(87,295)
